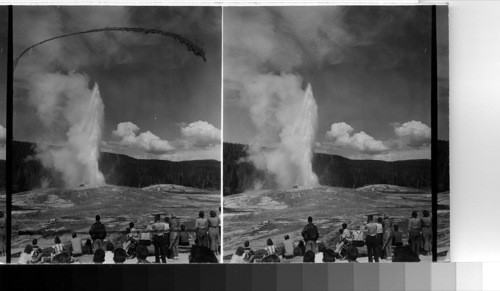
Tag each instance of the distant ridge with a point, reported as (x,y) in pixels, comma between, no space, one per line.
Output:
(337,171)
(118,169)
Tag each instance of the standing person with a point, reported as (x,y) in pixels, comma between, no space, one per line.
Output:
(415,228)
(387,238)
(183,237)
(98,233)
(3,236)
(397,237)
(213,232)
(380,236)
(427,232)
(76,246)
(310,234)
(201,228)
(158,240)
(166,237)
(174,236)
(371,239)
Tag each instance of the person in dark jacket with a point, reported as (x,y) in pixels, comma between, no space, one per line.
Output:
(98,233)
(310,234)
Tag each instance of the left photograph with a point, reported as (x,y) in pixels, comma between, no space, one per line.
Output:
(116,135)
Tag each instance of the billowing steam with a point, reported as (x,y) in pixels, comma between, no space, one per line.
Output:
(285,116)
(67,101)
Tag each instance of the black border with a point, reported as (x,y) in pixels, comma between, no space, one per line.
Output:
(434,133)
(8,141)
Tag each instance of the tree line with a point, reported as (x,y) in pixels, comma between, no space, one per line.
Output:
(28,173)
(336,171)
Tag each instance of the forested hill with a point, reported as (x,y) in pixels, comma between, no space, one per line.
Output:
(332,170)
(122,170)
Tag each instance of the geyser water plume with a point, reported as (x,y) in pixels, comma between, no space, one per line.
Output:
(81,112)
(85,139)
(286,118)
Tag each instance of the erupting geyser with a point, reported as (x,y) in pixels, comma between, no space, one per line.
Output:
(285,117)
(76,159)
(85,139)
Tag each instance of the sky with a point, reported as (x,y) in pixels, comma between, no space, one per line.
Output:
(160,100)
(368,68)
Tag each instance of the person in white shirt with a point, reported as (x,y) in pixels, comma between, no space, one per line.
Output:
(109,254)
(238,257)
(76,246)
(25,257)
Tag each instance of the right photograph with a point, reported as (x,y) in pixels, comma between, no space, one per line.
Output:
(327,134)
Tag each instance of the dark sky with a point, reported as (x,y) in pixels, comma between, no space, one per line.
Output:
(171,96)
(369,68)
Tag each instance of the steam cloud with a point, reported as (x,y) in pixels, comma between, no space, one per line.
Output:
(281,110)
(67,99)
(262,68)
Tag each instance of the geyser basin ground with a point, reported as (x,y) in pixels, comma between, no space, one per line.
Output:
(63,211)
(259,215)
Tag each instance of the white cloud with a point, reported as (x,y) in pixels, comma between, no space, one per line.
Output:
(340,133)
(146,141)
(413,133)
(3,134)
(201,133)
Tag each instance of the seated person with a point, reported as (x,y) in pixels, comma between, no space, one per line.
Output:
(62,258)
(202,254)
(300,249)
(270,248)
(328,256)
(58,247)
(318,257)
(248,250)
(358,237)
(37,253)
(309,257)
(87,248)
(99,256)
(288,248)
(352,254)
(76,246)
(142,254)
(183,236)
(270,259)
(25,257)
(108,256)
(145,236)
(238,256)
(119,256)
